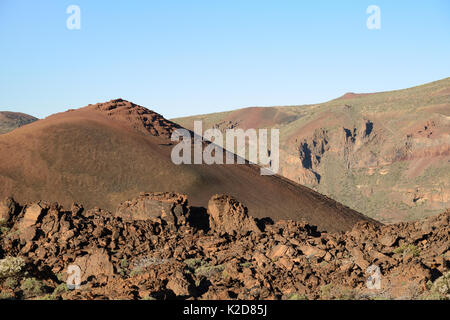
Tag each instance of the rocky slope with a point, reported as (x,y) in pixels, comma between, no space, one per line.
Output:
(156,246)
(385,154)
(104,154)
(12,120)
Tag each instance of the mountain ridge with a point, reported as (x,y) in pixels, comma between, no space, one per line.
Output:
(398,171)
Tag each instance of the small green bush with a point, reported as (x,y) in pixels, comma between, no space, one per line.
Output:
(246,265)
(11,266)
(325,291)
(60,289)
(440,288)
(208,271)
(408,249)
(194,263)
(124,263)
(31,286)
(4,230)
(11,282)
(6,295)
(296,296)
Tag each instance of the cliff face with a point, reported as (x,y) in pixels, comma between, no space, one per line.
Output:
(384,154)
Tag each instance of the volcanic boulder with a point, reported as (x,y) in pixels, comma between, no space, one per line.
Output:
(228,215)
(7,208)
(179,285)
(96,264)
(168,206)
(27,224)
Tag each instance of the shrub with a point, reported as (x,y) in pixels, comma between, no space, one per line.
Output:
(208,271)
(440,289)
(60,289)
(193,263)
(11,282)
(408,249)
(6,295)
(31,286)
(325,291)
(11,266)
(3,229)
(246,265)
(296,296)
(124,263)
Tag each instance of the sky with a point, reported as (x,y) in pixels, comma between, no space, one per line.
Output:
(191,57)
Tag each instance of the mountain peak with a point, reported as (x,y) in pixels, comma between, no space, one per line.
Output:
(139,117)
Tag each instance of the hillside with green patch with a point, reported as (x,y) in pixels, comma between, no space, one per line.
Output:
(12,120)
(384,154)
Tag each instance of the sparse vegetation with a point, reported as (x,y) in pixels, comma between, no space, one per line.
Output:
(3,229)
(406,249)
(11,282)
(62,288)
(193,264)
(6,295)
(32,287)
(296,296)
(439,289)
(202,268)
(11,266)
(124,264)
(246,265)
(207,270)
(325,291)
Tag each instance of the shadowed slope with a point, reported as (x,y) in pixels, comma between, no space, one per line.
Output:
(107,153)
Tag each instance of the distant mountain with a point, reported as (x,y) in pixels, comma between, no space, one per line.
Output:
(12,120)
(107,153)
(384,154)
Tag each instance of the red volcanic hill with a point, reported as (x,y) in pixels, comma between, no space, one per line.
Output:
(107,153)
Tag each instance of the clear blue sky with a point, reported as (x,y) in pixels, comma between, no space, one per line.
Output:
(189,57)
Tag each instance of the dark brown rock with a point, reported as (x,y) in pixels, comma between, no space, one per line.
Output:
(167,206)
(230,216)
(7,209)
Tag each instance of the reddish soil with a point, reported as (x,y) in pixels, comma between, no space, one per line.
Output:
(104,154)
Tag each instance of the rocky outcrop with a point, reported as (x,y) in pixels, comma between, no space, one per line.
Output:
(234,259)
(8,208)
(29,219)
(228,215)
(96,263)
(158,206)
(142,119)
